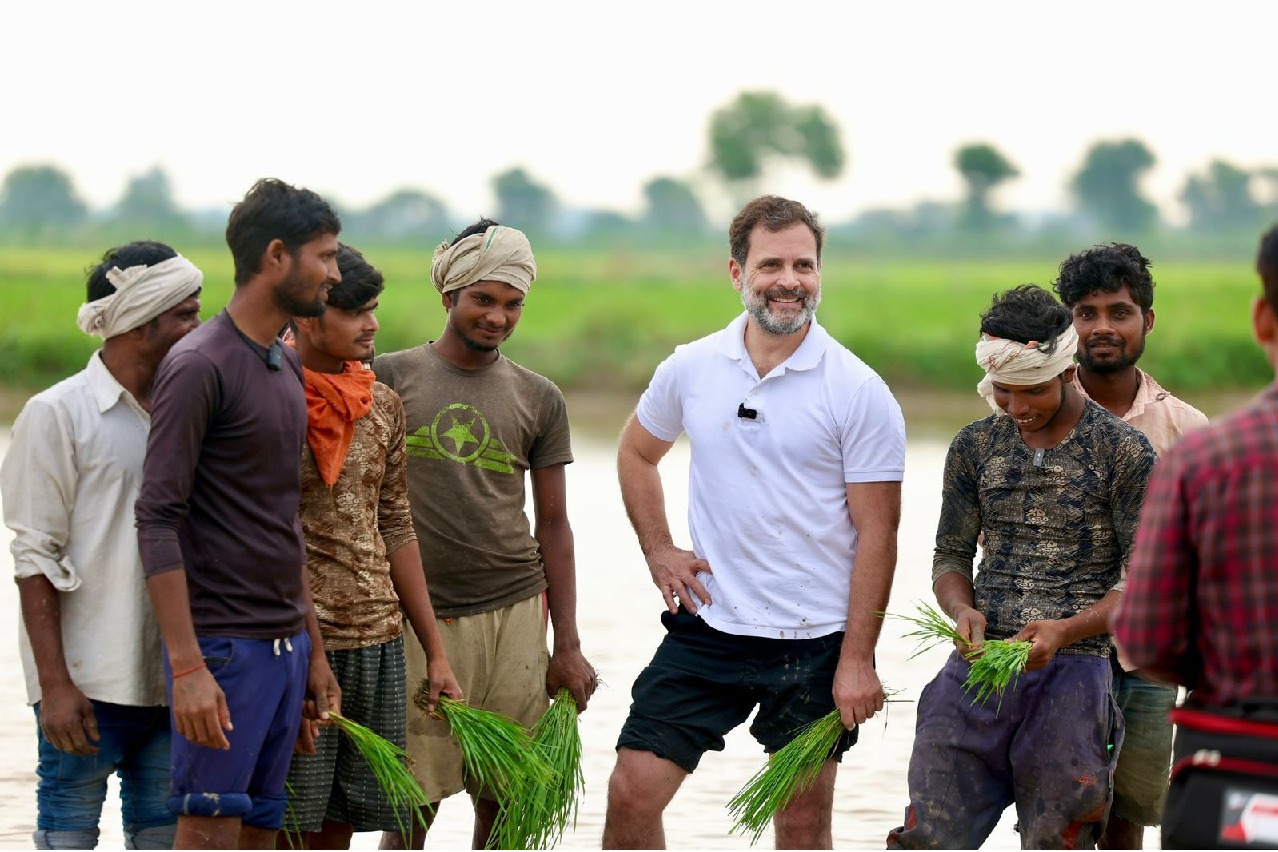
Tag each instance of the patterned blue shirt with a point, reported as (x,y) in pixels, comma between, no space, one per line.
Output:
(1058,529)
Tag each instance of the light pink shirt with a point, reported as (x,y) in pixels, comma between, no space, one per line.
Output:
(1162,417)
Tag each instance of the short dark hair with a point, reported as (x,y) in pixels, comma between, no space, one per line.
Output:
(1107,269)
(774,213)
(1026,314)
(360,282)
(274,210)
(138,253)
(1267,265)
(479,227)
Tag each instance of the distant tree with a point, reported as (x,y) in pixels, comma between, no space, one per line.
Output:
(1266,179)
(523,203)
(757,129)
(982,168)
(1221,199)
(607,227)
(38,201)
(1107,186)
(147,203)
(673,206)
(405,213)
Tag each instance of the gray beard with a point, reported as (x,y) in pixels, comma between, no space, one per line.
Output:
(758,311)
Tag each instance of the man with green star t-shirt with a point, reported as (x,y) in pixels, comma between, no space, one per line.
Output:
(477,422)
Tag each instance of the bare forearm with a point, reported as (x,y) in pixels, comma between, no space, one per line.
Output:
(172,605)
(870,589)
(409,579)
(42,615)
(953,592)
(557,555)
(645,501)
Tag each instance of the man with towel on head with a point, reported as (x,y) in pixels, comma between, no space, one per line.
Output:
(476,422)
(90,647)
(1054,483)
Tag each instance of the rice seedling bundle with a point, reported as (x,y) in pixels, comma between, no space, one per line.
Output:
(390,766)
(996,663)
(789,771)
(498,753)
(538,818)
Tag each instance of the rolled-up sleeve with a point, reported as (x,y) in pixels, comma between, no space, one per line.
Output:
(38,481)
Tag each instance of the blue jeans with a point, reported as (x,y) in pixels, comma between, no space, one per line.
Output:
(70,790)
(1144,764)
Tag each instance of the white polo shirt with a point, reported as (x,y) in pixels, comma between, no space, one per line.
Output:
(767,503)
(69,481)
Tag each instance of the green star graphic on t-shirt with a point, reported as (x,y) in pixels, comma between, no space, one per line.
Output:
(451,435)
(460,434)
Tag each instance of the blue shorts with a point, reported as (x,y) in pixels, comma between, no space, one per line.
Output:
(265,683)
(703,682)
(1046,747)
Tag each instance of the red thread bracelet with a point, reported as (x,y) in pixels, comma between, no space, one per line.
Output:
(190,671)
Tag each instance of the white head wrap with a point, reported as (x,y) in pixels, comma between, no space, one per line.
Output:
(141,294)
(499,254)
(1010,363)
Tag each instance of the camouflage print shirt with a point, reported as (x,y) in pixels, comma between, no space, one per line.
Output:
(351,527)
(1057,534)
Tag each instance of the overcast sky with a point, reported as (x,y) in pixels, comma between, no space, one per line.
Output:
(357,99)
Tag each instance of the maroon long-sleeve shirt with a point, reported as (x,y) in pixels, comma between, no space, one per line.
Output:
(221,483)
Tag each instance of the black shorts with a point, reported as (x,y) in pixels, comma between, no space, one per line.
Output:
(702,683)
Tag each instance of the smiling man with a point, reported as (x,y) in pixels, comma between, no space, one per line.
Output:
(1054,483)
(798,451)
(478,426)
(361,552)
(218,529)
(1110,291)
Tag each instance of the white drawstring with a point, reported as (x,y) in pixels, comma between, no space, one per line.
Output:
(288,645)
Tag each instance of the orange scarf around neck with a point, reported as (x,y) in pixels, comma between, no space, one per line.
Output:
(334,401)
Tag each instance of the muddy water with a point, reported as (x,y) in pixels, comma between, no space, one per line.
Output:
(618,617)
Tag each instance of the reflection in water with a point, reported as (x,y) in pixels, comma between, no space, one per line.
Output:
(618,617)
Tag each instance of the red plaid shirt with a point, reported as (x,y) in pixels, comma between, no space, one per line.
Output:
(1201,606)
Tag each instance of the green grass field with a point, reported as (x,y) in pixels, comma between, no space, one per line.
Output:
(600,322)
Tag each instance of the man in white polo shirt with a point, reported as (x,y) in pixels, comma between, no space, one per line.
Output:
(798,451)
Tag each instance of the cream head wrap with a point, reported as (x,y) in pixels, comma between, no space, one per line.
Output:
(1010,363)
(141,294)
(499,254)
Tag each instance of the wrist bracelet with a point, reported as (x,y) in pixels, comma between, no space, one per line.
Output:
(191,671)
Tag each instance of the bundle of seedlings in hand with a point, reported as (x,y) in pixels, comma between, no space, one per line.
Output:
(389,764)
(996,663)
(497,752)
(540,817)
(789,771)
